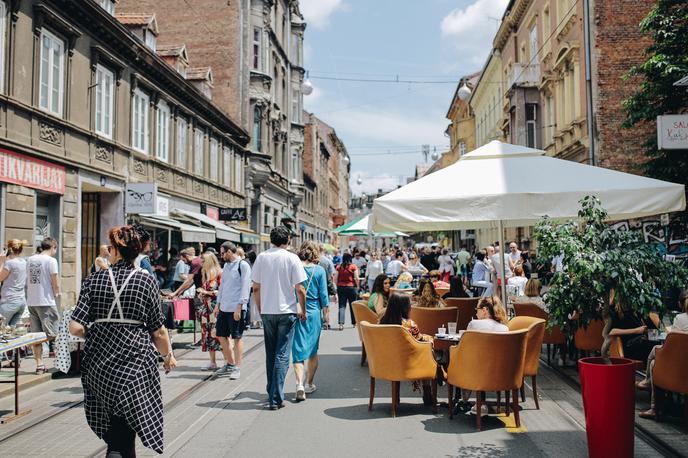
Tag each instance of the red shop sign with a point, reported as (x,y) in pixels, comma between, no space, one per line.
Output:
(33,173)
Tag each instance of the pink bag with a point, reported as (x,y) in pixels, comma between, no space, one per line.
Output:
(182,309)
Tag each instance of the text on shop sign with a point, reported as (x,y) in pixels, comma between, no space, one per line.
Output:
(33,173)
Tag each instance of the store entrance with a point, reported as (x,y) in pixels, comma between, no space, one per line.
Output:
(90,230)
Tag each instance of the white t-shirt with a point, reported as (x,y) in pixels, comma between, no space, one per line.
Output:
(496,262)
(374,269)
(278,271)
(519,282)
(394,268)
(680,323)
(488,324)
(39,287)
(359,262)
(446,263)
(13,286)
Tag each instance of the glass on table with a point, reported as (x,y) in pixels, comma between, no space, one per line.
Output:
(451,326)
(441,331)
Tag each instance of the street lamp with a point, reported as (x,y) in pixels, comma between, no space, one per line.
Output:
(464,92)
(359,181)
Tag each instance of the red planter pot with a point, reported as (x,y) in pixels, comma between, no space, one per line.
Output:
(608,387)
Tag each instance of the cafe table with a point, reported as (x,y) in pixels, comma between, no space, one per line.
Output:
(16,343)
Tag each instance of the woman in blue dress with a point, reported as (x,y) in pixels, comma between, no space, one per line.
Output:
(307,332)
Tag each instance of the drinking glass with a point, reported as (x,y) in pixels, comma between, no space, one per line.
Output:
(451,327)
(441,331)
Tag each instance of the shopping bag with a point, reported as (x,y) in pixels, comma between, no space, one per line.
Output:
(181,309)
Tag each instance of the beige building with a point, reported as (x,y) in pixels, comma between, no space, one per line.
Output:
(487,102)
(89,107)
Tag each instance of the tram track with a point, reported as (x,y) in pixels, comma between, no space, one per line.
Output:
(646,436)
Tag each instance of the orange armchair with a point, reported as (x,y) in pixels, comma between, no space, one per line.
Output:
(671,369)
(430,319)
(394,355)
(363,313)
(466,307)
(553,335)
(487,361)
(536,333)
(590,338)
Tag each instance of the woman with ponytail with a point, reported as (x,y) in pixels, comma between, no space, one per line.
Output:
(13,279)
(120,306)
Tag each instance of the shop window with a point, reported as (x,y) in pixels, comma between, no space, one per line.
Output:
(51,93)
(139,131)
(162,139)
(104,101)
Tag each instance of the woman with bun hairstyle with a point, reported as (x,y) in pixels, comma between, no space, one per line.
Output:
(119,373)
(13,279)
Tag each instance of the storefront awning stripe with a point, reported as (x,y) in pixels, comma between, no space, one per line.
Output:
(222,231)
(189,233)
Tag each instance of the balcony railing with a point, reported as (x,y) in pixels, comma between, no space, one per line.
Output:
(524,75)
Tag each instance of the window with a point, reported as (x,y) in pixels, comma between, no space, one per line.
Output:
(531,125)
(238,173)
(108,5)
(257,128)
(162,139)
(545,24)
(214,172)
(227,167)
(52,73)
(258,49)
(462,148)
(296,104)
(296,50)
(181,142)
(139,131)
(104,101)
(533,44)
(150,39)
(198,152)
(3,28)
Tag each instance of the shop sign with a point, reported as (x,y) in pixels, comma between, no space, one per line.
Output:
(141,198)
(250,239)
(212,212)
(162,205)
(233,214)
(672,132)
(32,173)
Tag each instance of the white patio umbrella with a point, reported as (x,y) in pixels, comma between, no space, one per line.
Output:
(513,186)
(363,225)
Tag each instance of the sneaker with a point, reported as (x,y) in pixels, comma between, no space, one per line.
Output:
(235,374)
(209,367)
(275,406)
(300,393)
(483,411)
(225,370)
(310,388)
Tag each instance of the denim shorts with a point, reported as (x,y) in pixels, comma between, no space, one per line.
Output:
(12,311)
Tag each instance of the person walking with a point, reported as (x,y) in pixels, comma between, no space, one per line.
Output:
(232,304)
(13,279)
(276,273)
(373,270)
(120,307)
(347,288)
(102,260)
(181,271)
(42,294)
(326,263)
(212,275)
(307,333)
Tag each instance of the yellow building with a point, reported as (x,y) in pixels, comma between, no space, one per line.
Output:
(487,101)
(461,131)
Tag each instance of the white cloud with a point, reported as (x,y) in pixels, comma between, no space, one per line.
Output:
(472,29)
(317,12)
(370,183)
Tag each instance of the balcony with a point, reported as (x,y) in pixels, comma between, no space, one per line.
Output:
(524,75)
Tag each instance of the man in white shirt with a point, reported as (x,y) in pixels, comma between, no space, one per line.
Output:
(514,256)
(42,291)
(276,273)
(396,267)
(232,304)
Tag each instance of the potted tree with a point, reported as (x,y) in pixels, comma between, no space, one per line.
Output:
(604,268)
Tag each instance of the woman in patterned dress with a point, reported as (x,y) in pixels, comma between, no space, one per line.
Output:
(211,274)
(120,307)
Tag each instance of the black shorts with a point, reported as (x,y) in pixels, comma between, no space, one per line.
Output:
(227,326)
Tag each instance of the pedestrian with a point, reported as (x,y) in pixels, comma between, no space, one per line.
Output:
(42,294)
(232,304)
(446,266)
(347,288)
(326,263)
(194,277)
(173,260)
(212,275)
(428,259)
(101,262)
(143,259)
(13,279)
(396,267)
(373,270)
(514,256)
(481,275)
(120,307)
(307,332)
(462,259)
(276,273)
(181,270)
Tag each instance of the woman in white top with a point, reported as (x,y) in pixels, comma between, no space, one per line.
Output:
(373,270)
(446,266)
(531,294)
(102,261)
(519,280)
(491,316)
(13,279)
(414,267)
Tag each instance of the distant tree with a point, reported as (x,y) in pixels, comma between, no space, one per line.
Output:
(667,62)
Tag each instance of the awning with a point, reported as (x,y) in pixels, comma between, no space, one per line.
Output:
(189,233)
(328,247)
(222,231)
(248,237)
(264,237)
(288,216)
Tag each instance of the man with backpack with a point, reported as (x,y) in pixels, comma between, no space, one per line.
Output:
(232,304)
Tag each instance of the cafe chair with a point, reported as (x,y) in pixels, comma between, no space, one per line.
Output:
(671,371)
(487,361)
(363,313)
(466,307)
(441,291)
(394,355)
(536,333)
(553,336)
(589,339)
(430,319)
(616,351)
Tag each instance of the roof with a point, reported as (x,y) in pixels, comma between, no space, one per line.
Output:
(171,50)
(139,19)
(200,73)
(471,80)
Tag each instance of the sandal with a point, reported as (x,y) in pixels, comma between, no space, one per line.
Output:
(649,414)
(41,369)
(643,385)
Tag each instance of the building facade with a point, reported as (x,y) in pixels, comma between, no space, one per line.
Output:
(487,102)
(88,108)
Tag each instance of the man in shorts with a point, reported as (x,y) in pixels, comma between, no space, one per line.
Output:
(42,292)
(232,304)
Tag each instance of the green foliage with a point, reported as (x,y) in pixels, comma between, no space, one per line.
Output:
(667,62)
(598,260)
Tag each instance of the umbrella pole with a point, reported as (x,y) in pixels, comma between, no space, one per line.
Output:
(502,261)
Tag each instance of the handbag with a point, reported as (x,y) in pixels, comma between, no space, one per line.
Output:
(181,309)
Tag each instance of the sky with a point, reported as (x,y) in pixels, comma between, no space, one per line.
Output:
(383,125)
